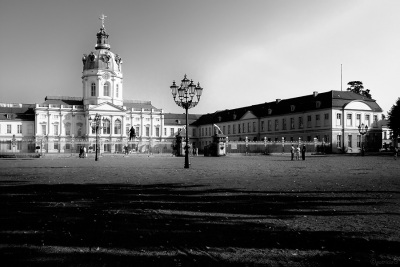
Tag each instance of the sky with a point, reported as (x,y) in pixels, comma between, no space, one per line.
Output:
(242,52)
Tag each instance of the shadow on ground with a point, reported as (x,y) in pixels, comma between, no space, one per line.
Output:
(176,225)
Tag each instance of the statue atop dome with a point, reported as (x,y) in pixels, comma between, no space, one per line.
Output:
(102,18)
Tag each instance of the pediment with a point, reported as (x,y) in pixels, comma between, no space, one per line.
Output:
(357,105)
(106,107)
(248,116)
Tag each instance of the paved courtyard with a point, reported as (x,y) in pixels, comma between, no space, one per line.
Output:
(228,211)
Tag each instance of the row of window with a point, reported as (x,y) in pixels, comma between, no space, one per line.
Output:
(349,119)
(349,141)
(279,124)
(8,129)
(80,117)
(106,90)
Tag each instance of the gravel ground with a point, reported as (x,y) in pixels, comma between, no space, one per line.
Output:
(229,211)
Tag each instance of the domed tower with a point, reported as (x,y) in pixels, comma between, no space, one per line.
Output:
(102,73)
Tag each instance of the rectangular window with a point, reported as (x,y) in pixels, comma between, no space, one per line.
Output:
(292,123)
(206,131)
(8,128)
(338,141)
(202,131)
(147,131)
(248,127)
(317,120)
(254,127)
(276,125)
(172,131)
(375,118)
(358,141)
(137,131)
(229,129)
(44,129)
(349,141)
(300,122)
(55,129)
(234,129)
(239,128)
(349,120)
(262,126)
(165,131)
(55,145)
(269,125)
(223,129)
(283,124)
(244,129)
(157,132)
(19,129)
(338,119)
(358,120)
(367,119)
(309,121)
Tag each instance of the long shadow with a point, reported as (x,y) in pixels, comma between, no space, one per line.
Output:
(177,225)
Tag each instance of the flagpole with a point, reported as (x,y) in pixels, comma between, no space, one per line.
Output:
(341,78)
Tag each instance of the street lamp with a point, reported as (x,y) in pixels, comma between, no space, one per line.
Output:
(362,129)
(96,125)
(186,92)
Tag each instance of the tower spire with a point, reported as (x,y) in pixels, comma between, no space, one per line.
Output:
(102,36)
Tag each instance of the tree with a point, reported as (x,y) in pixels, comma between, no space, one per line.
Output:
(394,120)
(358,88)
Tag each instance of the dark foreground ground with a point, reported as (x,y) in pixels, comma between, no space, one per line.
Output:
(228,211)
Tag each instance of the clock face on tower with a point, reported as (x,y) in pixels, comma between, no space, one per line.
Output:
(106,76)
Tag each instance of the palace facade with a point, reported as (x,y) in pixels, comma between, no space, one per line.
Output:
(61,124)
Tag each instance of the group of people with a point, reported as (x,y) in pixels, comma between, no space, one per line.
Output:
(82,152)
(295,152)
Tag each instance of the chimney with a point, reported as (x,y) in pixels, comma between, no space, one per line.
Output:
(278,100)
(315,93)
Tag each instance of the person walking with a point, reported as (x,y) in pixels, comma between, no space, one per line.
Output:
(81,152)
(292,152)
(84,152)
(303,152)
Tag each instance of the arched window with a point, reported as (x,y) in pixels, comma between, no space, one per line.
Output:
(93,89)
(106,126)
(117,127)
(117,91)
(106,89)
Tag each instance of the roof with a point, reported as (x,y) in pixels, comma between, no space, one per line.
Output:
(179,118)
(63,100)
(315,101)
(138,104)
(22,112)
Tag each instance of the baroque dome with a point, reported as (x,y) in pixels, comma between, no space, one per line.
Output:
(102,58)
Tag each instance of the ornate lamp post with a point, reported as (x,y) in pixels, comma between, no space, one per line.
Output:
(362,129)
(96,125)
(186,93)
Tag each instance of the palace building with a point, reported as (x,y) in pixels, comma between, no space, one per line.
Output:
(330,117)
(61,124)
